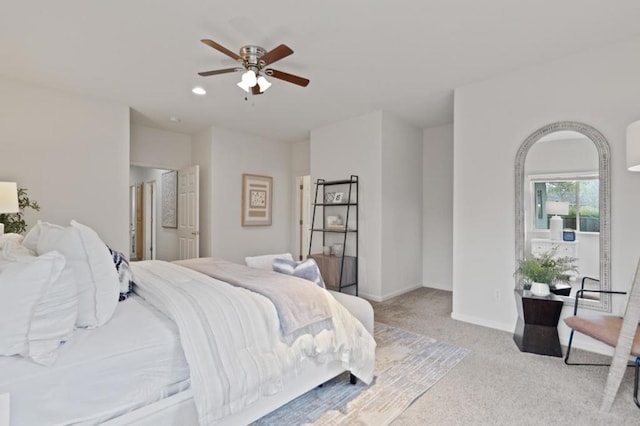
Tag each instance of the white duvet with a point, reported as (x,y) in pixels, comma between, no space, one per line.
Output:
(232,339)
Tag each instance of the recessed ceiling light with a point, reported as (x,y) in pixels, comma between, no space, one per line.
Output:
(175,119)
(199,91)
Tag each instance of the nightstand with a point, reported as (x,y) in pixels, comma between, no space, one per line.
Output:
(537,326)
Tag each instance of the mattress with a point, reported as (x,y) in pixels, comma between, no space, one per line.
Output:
(133,360)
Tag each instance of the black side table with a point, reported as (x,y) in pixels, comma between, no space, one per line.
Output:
(537,326)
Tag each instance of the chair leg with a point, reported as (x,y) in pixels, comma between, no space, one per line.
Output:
(566,358)
(635,383)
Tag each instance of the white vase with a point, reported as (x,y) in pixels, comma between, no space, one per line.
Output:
(540,289)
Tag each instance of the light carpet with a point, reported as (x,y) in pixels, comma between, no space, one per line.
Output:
(407,365)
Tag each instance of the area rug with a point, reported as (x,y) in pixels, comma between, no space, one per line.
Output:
(407,365)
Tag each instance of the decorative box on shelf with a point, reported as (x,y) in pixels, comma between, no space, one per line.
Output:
(561,289)
(330,269)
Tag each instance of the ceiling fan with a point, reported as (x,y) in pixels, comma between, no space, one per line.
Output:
(255,61)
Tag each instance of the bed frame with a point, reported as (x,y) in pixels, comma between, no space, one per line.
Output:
(179,409)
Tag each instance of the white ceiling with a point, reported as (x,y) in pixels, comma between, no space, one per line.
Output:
(402,56)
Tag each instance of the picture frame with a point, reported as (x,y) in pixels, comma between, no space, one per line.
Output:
(257,195)
(169,206)
(328,197)
(337,197)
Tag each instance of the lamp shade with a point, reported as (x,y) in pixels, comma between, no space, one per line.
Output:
(557,208)
(263,83)
(9,197)
(633,146)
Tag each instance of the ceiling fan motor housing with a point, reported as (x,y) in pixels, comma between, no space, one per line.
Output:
(251,56)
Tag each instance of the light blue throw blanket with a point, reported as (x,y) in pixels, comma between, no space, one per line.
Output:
(301,305)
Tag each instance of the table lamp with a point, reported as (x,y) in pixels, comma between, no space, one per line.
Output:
(8,200)
(557,209)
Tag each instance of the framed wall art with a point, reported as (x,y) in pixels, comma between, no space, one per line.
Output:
(257,193)
(169,199)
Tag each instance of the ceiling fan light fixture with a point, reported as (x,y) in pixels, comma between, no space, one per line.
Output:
(263,83)
(244,86)
(249,78)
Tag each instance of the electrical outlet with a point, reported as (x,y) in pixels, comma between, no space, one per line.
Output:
(496,294)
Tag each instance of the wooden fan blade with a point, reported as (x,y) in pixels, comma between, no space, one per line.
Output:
(255,90)
(222,49)
(216,72)
(276,54)
(288,77)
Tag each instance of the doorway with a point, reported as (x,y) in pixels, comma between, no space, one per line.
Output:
(150,238)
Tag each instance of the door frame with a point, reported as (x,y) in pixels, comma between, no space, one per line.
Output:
(149,221)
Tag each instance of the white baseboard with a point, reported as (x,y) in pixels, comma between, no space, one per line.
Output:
(483,322)
(579,341)
(378,298)
(438,286)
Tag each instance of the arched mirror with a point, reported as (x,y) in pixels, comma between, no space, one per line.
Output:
(563,205)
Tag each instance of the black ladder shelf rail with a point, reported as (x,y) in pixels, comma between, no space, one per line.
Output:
(350,203)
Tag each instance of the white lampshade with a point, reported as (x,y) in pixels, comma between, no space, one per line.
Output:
(8,200)
(633,146)
(248,80)
(9,197)
(557,208)
(244,86)
(263,83)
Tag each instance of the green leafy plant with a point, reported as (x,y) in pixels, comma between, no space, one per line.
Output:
(547,268)
(14,222)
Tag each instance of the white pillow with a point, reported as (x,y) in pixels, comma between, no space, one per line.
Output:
(54,317)
(266,261)
(28,324)
(30,240)
(89,259)
(11,236)
(307,270)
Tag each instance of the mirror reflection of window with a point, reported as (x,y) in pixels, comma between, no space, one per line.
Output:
(582,195)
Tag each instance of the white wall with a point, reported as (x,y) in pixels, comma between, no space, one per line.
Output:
(492,119)
(301,158)
(233,154)
(71,153)
(386,154)
(401,207)
(437,207)
(166,245)
(161,149)
(562,156)
(354,147)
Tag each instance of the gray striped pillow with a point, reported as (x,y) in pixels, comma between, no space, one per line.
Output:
(307,270)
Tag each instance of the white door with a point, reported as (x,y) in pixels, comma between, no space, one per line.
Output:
(188,213)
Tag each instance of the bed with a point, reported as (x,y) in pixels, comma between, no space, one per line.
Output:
(187,348)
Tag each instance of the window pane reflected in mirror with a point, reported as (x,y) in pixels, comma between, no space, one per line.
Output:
(582,196)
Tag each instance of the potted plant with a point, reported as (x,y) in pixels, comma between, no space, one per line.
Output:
(544,271)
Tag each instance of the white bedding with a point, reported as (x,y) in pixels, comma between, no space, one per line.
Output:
(232,340)
(133,360)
